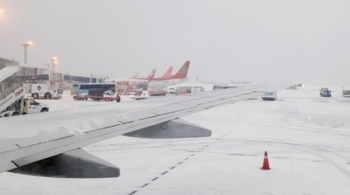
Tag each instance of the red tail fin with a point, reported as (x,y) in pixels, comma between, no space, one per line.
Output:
(168,72)
(182,73)
(151,75)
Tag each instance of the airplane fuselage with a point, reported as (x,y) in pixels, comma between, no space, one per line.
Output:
(126,82)
(166,82)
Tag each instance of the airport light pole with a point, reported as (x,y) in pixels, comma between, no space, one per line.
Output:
(52,69)
(54,63)
(25,46)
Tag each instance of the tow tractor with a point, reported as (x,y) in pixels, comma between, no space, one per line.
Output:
(98,95)
(325,92)
(81,96)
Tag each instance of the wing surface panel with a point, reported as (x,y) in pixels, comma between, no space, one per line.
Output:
(7,145)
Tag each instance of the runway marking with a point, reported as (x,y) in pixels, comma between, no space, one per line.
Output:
(179,163)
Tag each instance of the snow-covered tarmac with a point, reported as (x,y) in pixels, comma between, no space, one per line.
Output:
(306,136)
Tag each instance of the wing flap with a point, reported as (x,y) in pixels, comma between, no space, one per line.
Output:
(73,164)
(177,128)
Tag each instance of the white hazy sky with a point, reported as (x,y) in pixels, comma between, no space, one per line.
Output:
(251,40)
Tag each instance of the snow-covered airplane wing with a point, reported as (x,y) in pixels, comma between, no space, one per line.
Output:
(49,144)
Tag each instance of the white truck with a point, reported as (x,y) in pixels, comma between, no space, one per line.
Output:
(346,91)
(188,89)
(42,91)
(171,90)
(157,91)
(100,94)
(13,103)
(29,106)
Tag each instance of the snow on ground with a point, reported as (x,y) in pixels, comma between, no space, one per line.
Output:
(306,137)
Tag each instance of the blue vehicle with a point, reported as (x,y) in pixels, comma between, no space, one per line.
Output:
(325,92)
(86,87)
(271,96)
(223,86)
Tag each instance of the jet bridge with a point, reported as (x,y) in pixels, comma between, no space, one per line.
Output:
(11,67)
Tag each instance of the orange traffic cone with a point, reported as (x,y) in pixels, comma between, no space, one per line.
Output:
(266,165)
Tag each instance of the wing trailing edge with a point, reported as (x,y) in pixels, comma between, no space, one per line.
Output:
(177,128)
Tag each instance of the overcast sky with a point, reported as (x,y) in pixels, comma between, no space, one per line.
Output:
(267,41)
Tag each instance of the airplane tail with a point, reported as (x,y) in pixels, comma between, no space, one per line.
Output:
(182,73)
(135,75)
(151,75)
(168,72)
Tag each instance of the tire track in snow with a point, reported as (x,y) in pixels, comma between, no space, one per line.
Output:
(299,128)
(192,154)
(308,148)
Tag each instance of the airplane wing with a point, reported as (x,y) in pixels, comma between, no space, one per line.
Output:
(49,144)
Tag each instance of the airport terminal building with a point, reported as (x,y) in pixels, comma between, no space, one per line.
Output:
(59,80)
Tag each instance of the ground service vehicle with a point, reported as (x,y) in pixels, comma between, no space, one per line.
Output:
(157,91)
(85,88)
(325,92)
(345,92)
(188,89)
(172,90)
(81,96)
(24,106)
(271,96)
(42,91)
(98,94)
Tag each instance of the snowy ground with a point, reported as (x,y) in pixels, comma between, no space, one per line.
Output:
(307,138)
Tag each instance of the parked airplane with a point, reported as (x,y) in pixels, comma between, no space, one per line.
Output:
(50,144)
(177,78)
(225,83)
(203,81)
(167,74)
(132,81)
(146,84)
(135,75)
